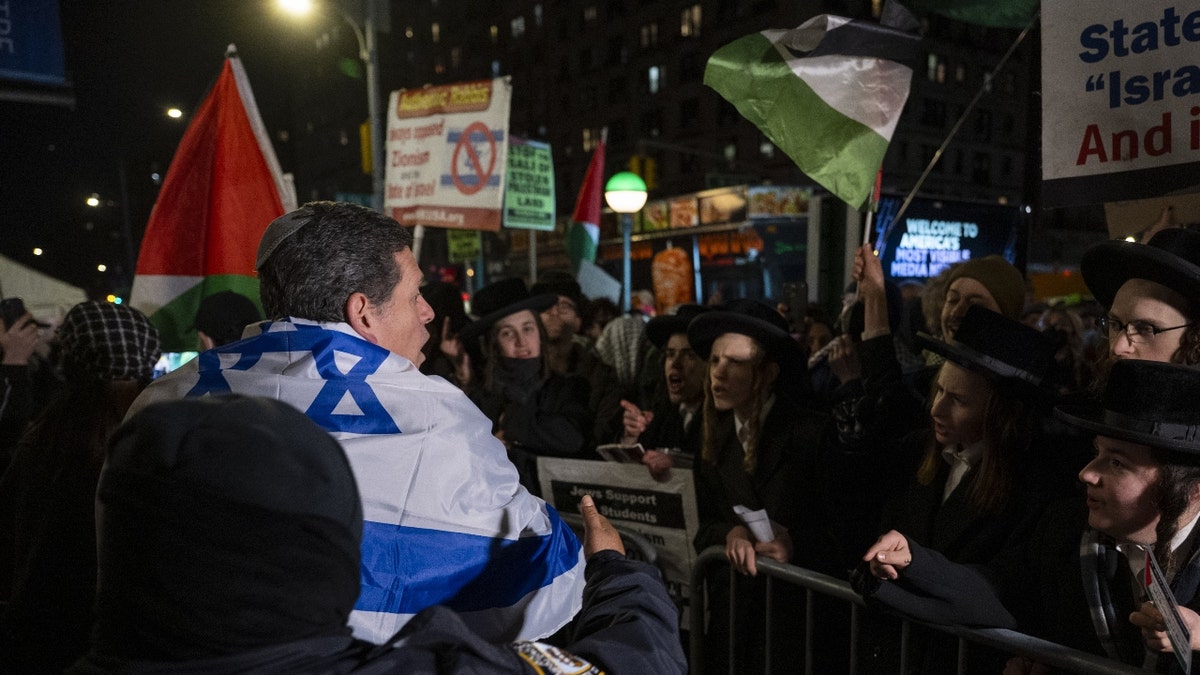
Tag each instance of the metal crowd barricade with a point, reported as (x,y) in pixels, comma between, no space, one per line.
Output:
(1048,653)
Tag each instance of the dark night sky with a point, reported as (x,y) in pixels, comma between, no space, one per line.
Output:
(128,61)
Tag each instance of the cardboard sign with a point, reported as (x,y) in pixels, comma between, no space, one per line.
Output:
(529,187)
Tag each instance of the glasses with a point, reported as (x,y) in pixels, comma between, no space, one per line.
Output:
(1137,331)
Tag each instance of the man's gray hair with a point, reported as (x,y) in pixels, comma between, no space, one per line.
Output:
(312,259)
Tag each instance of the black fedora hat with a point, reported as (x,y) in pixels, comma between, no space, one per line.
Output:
(1145,402)
(497,300)
(660,329)
(1170,258)
(997,347)
(746,317)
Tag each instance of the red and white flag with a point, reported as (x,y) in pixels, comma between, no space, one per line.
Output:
(223,188)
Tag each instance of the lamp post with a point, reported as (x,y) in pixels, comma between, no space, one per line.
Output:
(368,53)
(625,193)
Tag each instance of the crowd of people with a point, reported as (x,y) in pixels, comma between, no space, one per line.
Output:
(352,485)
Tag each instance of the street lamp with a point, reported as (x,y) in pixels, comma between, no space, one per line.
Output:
(625,193)
(368,52)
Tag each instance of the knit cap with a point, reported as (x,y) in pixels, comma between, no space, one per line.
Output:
(999,277)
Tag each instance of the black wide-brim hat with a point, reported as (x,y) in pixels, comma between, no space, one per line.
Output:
(660,329)
(752,318)
(1145,402)
(1170,258)
(997,347)
(500,299)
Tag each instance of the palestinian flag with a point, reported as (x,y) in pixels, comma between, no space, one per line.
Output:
(994,13)
(829,94)
(583,234)
(223,187)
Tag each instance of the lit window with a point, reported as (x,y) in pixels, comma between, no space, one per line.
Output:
(436,32)
(494,31)
(876,8)
(408,32)
(537,15)
(766,149)
(518,27)
(931,67)
(652,76)
(649,35)
(960,73)
(589,13)
(495,69)
(689,21)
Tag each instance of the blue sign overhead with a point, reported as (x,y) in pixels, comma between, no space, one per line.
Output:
(31,48)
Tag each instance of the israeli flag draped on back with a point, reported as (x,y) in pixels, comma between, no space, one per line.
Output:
(445,518)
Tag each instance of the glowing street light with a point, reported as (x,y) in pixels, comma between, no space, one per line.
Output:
(101,267)
(174,113)
(37,250)
(625,193)
(93,200)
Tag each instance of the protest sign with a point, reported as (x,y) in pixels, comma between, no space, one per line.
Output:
(664,513)
(1119,88)
(529,192)
(446,154)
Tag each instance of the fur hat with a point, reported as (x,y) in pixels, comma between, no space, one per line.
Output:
(661,328)
(1145,402)
(1170,258)
(497,300)
(999,277)
(997,347)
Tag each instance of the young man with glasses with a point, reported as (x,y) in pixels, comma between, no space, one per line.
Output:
(1152,294)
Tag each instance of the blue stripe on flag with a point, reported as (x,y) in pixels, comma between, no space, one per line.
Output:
(448,180)
(476,137)
(406,569)
(322,343)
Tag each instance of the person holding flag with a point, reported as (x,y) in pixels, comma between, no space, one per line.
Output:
(446,521)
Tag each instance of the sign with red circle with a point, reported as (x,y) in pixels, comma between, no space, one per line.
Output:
(472,162)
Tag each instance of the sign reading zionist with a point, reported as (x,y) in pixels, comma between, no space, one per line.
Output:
(1121,84)
(446,154)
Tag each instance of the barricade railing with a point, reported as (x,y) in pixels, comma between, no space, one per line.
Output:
(1042,651)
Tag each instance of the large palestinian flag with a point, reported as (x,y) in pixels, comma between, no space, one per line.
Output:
(223,187)
(828,93)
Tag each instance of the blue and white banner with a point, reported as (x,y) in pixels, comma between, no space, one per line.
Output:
(446,520)
(31,48)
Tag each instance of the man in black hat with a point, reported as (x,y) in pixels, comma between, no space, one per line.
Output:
(1151,292)
(676,425)
(1074,582)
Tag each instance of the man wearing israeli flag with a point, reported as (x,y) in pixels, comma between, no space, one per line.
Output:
(446,521)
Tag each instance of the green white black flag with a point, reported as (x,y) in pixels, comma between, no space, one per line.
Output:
(828,93)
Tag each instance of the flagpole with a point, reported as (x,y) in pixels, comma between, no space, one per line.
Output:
(957,125)
(873,206)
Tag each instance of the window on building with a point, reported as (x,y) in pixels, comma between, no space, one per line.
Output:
(960,73)
(653,79)
(689,111)
(649,34)
(689,21)
(616,51)
(408,32)
(456,57)
(766,149)
(618,89)
(933,113)
(981,169)
(518,27)
(932,64)
(876,8)
(537,15)
(589,14)
(591,138)
(435,32)
(495,69)
(438,66)
(652,123)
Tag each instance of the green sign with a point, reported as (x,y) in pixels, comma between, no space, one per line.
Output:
(464,245)
(529,186)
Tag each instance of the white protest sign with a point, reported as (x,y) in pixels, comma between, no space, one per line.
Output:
(446,154)
(1120,89)
(664,513)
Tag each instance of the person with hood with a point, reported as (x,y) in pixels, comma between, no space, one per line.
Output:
(534,410)
(47,495)
(208,563)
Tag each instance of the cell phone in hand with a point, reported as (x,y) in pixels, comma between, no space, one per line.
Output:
(11,311)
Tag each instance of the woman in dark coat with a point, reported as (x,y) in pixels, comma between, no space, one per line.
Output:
(761,449)
(533,410)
